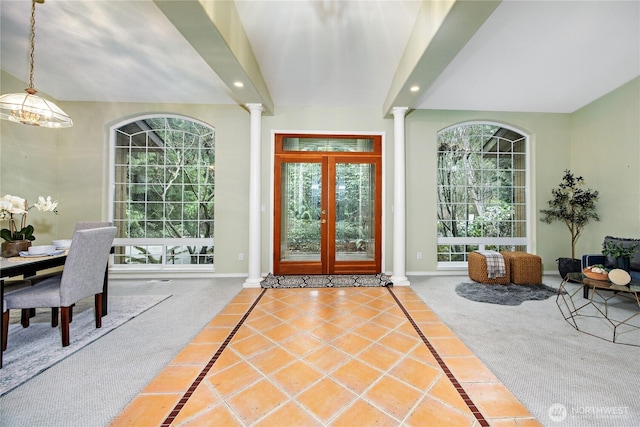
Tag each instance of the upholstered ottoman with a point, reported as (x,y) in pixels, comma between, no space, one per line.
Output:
(478,272)
(526,269)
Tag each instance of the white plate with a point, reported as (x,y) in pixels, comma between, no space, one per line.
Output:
(25,254)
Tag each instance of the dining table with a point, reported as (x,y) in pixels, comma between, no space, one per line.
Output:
(30,266)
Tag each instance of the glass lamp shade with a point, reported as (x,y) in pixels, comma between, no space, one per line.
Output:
(29,109)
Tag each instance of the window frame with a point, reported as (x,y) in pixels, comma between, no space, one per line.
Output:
(526,242)
(122,244)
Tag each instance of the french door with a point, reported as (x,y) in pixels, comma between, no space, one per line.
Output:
(327,205)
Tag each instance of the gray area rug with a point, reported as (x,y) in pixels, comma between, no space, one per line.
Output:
(35,349)
(325,281)
(504,294)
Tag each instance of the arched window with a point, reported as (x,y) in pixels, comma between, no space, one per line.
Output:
(482,191)
(163,170)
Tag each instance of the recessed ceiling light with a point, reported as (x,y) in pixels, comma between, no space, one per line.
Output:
(414,88)
(238,84)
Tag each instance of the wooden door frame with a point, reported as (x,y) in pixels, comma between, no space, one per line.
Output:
(379,155)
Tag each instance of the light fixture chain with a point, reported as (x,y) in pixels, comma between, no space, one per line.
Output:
(32,41)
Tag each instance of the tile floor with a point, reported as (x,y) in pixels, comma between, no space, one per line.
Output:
(325,357)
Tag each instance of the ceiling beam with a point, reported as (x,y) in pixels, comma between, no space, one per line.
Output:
(215,31)
(441,30)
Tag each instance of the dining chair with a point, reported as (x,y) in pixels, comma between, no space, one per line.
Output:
(82,225)
(82,277)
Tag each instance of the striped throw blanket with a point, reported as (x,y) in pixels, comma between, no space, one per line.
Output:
(495,264)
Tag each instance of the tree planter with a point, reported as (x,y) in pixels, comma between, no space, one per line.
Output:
(13,248)
(569,265)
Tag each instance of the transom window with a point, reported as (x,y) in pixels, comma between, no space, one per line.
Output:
(482,197)
(163,192)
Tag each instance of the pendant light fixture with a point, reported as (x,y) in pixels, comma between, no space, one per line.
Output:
(28,108)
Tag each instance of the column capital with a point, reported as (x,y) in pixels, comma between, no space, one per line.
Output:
(399,111)
(255,107)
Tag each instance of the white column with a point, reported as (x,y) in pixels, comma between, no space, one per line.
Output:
(399,277)
(255,244)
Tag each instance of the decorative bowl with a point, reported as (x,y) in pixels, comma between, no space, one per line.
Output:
(593,275)
(41,250)
(618,276)
(62,244)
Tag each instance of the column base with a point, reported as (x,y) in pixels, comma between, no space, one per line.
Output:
(400,280)
(252,282)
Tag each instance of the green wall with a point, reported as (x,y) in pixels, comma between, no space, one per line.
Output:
(600,142)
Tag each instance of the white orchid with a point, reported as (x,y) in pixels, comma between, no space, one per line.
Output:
(10,206)
(45,205)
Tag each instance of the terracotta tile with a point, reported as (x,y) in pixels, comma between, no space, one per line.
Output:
(444,391)
(214,417)
(261,323)
(147,410)
(393,396)
(415,373)
(229,320)
(302,344)
(226,359)
(281,332)
(400,342)
(256,401)
(514,422)
(424,316)
(202,399)
(305,322)
(423,354)
(289,313)
(250,345)
(430,412)
(234,378)
(325,398)
(379,356)
(326,358)
(356,376)
(365,312)
(212,336)
(195,353)
(431,330)
(495,401)
(272,360)
(469,369)
(362,413)
(351,343)
(390,320)
(176,378)
(289,414)
(371,331)
(450,346)
(326,331)
(296,377)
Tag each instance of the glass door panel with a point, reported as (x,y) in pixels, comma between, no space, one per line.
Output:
(355,219)
(300,212)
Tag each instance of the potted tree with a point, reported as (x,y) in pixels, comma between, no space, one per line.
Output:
(575,207)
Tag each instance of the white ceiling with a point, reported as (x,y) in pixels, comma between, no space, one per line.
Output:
(533,56)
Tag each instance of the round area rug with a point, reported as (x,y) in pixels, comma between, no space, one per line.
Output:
(504,294)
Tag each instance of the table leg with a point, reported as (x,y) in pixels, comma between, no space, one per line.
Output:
(105,291)
(1,318)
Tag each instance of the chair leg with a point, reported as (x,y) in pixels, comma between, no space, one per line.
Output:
(24,318)
(71,313)
(5,329)
(98,310)
(64,325)
(54,317)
